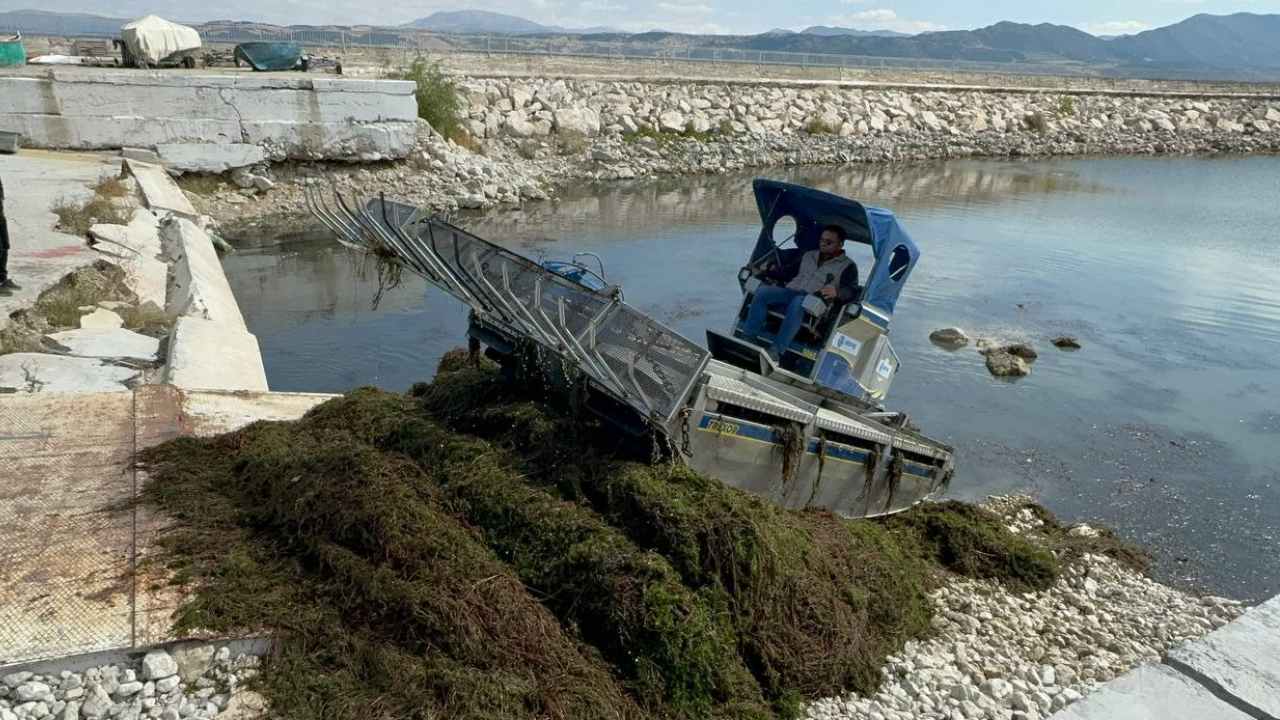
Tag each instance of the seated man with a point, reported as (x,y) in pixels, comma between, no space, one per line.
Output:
(827,272)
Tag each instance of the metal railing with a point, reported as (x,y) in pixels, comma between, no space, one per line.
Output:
(409,40)
(588,47)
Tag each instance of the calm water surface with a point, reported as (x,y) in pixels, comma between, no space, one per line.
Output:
(1166,426)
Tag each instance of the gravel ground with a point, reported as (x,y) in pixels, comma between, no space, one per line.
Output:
(1004,656)
(194,682)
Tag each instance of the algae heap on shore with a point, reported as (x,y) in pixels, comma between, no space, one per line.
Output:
(439,555)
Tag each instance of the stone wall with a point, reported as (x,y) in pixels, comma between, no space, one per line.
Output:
(530,108)
(290,117)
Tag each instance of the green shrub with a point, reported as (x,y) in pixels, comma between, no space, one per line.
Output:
(437,95)
(571,142)
(1066,105)
(818,126)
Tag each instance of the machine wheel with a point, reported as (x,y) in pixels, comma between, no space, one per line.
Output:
(189,62)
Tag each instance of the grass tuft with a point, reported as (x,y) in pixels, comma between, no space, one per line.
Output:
(60,305)
(818,126)
(77,216)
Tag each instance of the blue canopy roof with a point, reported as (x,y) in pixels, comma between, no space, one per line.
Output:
(812,210)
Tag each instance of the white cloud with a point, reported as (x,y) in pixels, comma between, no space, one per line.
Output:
(684,8)
(882,19)
(1115,27)
(600,6)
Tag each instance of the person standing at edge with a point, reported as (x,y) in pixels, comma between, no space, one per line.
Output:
(7,286)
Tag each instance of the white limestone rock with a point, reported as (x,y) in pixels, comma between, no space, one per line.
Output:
(101,319)
(672,121)
(158,664)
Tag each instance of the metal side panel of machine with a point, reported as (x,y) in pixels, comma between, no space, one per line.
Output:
(770,439)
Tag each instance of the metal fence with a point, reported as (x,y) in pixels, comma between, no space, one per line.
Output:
(585,46)
(410,41)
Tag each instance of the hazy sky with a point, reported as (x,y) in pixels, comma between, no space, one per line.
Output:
(719,16)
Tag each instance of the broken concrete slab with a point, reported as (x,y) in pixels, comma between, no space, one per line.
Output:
(207,355)
(39,372)
(141,155)
(1151,692)
(148,278)
(100,319)
(1241,658)
(41,256)
(214,158)
(159,191)
(198,286)
(140,237)
(108,343)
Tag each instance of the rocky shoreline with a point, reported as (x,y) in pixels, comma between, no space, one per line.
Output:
(527,140)
(1000,655)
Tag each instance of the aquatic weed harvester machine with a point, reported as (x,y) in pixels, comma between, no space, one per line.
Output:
(805,430)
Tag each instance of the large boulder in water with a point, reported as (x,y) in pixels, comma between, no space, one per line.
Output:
(949,338)
(1022,350)
(1002,363)
(1066,342)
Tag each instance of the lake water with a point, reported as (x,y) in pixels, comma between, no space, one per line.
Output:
(1165,426)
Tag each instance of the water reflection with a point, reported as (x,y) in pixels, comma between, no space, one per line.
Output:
(1162,426)
(664,202)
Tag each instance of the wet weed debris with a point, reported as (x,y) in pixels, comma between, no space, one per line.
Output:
(461,551)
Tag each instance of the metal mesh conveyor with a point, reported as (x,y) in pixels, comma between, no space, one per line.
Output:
(633,357)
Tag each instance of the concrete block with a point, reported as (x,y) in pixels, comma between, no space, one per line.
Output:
(159,190)
(213,158)
(1151,692)
(141,155)
(206,355)
(1241,658)
(303,116)
(198,286)
(38,372)
(370,141)
(108,343)
(59,132)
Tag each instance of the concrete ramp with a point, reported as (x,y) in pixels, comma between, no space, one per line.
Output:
(69,543)
(1232,673)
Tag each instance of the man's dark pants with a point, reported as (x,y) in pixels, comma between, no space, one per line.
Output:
(4,240)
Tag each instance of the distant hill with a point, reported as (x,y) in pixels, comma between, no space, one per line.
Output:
(39,22)
(483,21)
(1242,46)
(829,31)
(1242,40)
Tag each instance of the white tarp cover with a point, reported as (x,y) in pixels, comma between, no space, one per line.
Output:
(152,38)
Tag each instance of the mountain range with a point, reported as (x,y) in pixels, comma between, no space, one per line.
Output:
(1243,46)
(483,21)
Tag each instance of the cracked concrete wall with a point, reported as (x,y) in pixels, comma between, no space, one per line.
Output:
(291,117)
